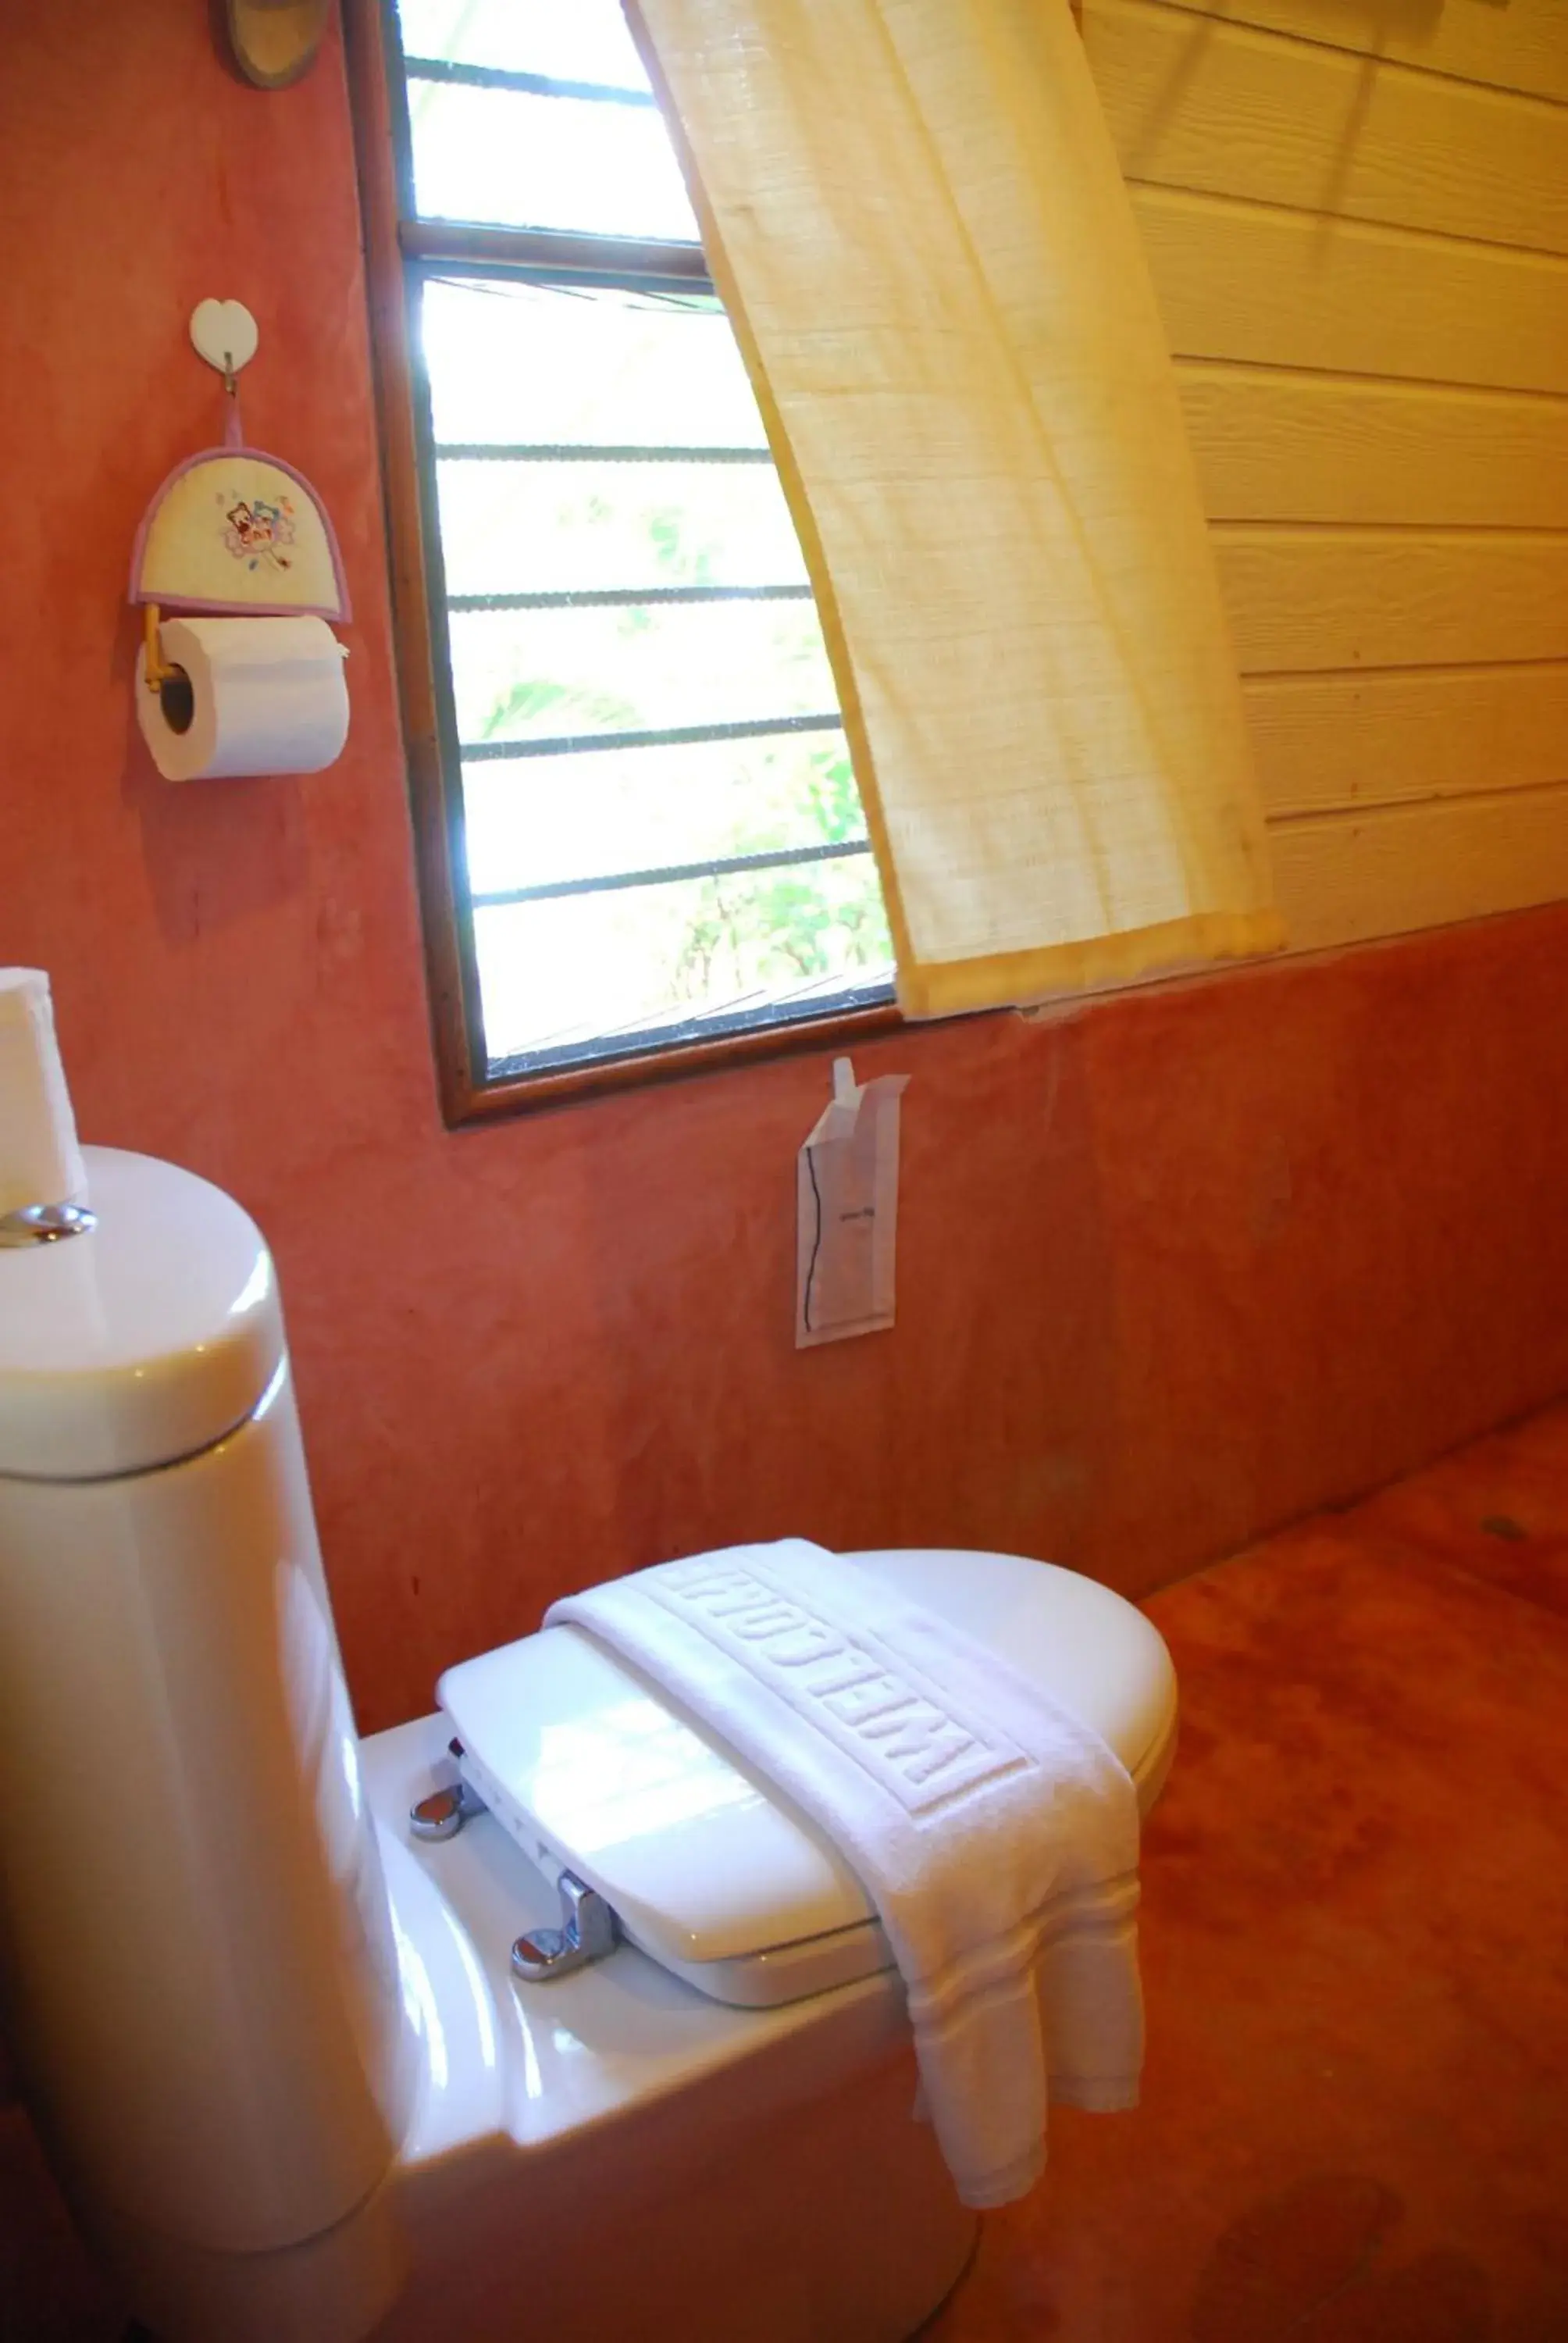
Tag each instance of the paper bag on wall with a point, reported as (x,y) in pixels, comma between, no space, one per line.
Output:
(846,1191)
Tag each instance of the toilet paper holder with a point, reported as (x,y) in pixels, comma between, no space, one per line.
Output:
(233,531)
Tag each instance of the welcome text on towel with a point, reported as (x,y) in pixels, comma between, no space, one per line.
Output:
(876,1708)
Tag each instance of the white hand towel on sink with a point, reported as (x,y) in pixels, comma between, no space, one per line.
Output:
(996,1835)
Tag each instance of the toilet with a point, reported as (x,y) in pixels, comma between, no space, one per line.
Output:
(539,2014)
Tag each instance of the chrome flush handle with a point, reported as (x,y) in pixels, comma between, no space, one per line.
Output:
(587,1932)
(36,1225)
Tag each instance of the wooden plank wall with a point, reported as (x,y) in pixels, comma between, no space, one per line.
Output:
(1356,212)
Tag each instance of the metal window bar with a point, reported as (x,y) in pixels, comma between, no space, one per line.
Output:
(529,85)
(755,1005)
(710,1025)
(666,875)
(563,256)
(625,597)
(479,452)
(677,736)
(442,248)
(755,1002)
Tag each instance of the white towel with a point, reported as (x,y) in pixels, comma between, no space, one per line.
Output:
(996,1835)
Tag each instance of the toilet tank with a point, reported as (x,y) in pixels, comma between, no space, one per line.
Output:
(196,1957)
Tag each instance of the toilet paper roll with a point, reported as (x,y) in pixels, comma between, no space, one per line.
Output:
(253,695)
(40,1161)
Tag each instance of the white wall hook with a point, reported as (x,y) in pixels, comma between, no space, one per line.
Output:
(225,335)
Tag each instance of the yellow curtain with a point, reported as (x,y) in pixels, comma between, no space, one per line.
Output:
(915,217)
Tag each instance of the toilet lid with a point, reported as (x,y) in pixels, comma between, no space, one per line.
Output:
(593,1769)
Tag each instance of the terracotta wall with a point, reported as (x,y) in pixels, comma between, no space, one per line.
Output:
(1172,1267)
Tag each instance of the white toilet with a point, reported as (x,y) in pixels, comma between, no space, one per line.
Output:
(538,2015)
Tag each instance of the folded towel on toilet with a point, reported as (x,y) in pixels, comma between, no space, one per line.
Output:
(996,1835)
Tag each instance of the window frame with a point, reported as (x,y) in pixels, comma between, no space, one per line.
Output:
(400,249)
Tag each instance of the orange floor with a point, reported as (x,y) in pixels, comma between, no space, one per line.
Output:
(1355,1948)
(1355,1951)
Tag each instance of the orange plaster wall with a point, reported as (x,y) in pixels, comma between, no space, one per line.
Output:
(1174,1268)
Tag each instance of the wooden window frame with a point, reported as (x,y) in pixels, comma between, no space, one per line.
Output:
(393,238)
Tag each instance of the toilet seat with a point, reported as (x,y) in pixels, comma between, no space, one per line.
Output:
(593,1770)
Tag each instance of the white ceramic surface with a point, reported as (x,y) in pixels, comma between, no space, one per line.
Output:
(142,1341)
(613,2154)
(201,1980)
(709,1869)
(200,1972)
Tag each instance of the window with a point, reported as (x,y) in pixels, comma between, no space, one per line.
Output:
(642,844)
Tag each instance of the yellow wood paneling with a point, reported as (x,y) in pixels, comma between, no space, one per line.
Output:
(1276,446)
(1283,289)
(1356,216)
(1398,868)
(1328,742)
(1520,44)
(1225,110)
(1319,598)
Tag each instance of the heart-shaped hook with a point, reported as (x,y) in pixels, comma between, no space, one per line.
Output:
(224,333)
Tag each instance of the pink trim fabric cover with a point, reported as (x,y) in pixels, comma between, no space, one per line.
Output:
(224,536)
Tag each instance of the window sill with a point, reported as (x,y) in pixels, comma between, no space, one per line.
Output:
(479,1102)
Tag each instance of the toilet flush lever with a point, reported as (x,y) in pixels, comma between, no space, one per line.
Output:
(587,1934)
